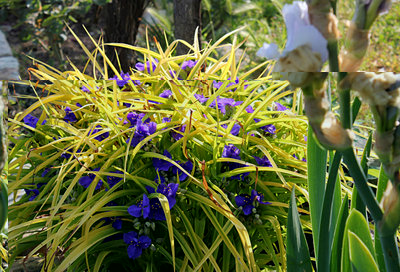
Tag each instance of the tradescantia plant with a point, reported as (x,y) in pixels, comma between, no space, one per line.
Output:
(180,163)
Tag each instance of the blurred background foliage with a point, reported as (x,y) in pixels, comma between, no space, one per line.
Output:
(37,28)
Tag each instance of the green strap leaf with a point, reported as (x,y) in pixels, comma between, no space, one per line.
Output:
(297,253)
(360,257)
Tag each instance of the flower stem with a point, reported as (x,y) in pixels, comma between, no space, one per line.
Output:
(333,56)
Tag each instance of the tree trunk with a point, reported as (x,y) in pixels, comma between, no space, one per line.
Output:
(187,17)
(122,22)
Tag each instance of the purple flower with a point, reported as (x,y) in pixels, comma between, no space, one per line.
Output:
(200,98)
(121,82)
(142,131)
(263,161)
(117,223)
(100,137)
(162,165)
(249,109)
(231,151)
(134,118)
(303,159)
(188,166)
(85,89)
(217,84)
(166,94)
(160,179)
(112,180)
(267,128)
(177,136)
(31,120)
(246,201)
(280,107)
(136,244)
(69,116)
(45,172)
(33,193)
(168,190)
(235,129)
(188,64)
(87,180)
(223,102)
(166,120)
(79,105)
(67,153)
(142,207)
(140,66)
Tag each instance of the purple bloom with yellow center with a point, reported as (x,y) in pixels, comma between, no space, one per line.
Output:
(31,120)
(142,131)
(231,151)
(263,161)
(87,180)
(246,201)
(142,208)
(151,208)
(136,244)
(134,118)
(249,109)
(69,116)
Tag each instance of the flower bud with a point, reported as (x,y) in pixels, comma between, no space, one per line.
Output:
(356,47)
(372,87)
(391,206)
(301,59)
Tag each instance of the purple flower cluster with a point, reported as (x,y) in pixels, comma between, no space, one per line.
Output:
(125,79)
(235,129)
(264,161)
(151,208)
(188,64)
(200,98)
(231,151)
(69,116)
(246,201)
(141,66)
(31,120)
(218,84)
(136,244)
(111,180)
(142,131)
(224,102)
(163,165)
(100,137)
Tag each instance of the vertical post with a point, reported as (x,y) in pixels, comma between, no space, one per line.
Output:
(187,17)
(123,18)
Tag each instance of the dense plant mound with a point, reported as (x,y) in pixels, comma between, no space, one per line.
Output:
(156,166)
